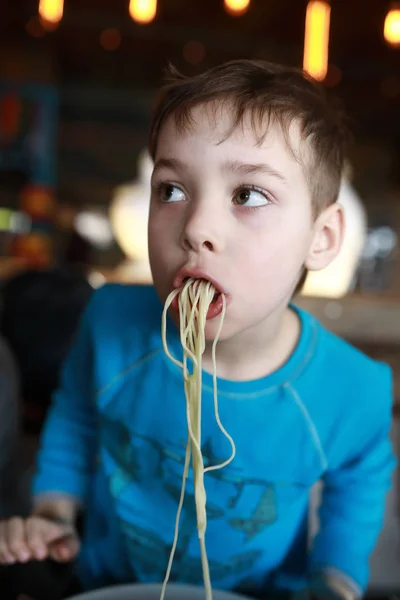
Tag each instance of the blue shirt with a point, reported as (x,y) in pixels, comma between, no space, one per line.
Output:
(116,434)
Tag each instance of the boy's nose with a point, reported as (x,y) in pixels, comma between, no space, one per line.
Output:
(201,233)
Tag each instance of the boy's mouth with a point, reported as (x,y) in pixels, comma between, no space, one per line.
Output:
(216,305)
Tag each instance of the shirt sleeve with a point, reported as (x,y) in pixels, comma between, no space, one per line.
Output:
(68,444)
(353,500)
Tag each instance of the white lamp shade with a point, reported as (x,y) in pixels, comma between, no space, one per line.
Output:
(129,212)
(129,215)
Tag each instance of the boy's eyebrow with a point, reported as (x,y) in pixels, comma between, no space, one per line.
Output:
(169,163)
(233,166)
(249,169)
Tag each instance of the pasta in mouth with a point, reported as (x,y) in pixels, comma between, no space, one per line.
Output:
(194,300)
(216,301)
(195,284)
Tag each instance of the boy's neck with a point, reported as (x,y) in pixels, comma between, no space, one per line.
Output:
(252,355)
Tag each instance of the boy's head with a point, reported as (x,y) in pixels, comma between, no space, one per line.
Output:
(263,93)
(248,161)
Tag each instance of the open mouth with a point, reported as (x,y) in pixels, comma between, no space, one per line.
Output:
(196,282)
(216,304)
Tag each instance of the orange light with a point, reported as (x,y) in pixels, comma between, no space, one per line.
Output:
(236,7)
(316,41)
(391,29)
(143,11)
(51,11)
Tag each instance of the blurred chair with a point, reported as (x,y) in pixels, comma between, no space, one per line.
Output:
(9,433)
(39,317)
(40,314)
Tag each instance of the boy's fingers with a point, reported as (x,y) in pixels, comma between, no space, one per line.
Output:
(65,549)
(35,537)
(5,555)
(52,531)
(15,540)
(42,534)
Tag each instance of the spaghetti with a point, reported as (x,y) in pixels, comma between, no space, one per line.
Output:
(194,299)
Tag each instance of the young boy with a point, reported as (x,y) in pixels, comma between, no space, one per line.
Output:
(248,159)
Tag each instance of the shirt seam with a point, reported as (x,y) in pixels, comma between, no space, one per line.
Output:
(237,395)
(309,423)
(126,371)
(296,372)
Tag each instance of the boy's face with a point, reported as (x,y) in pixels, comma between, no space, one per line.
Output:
(238,212)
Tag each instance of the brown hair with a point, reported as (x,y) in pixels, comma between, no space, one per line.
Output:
(265,92)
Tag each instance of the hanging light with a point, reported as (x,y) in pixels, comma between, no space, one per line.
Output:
(316,40)
(51,11)
(143,11)
(391,29)
(236,7)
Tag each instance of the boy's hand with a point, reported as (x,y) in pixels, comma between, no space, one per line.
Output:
(325,586)
(37,538)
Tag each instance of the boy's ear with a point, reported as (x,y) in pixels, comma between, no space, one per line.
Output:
(327,238)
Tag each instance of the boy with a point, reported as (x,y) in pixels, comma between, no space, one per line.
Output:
(248,159)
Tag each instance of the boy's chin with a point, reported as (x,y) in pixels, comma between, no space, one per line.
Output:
(212,328)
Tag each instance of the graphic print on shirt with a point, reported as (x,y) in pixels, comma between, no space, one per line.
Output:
(151,552)
(138,459)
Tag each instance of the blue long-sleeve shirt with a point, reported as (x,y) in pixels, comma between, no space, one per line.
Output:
(116,434)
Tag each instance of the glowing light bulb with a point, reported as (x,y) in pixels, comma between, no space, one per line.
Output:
(143,11)
(391,29)
(51,11)
(316,41)
(236,7)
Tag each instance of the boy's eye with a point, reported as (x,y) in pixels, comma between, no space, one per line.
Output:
(171,193)
(250,197)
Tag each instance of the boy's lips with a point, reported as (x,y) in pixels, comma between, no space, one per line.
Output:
(216,305)
(187,273)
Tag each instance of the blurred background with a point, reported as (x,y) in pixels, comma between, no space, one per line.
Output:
(78,81)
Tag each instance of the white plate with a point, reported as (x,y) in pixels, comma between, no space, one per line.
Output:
(138,591)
